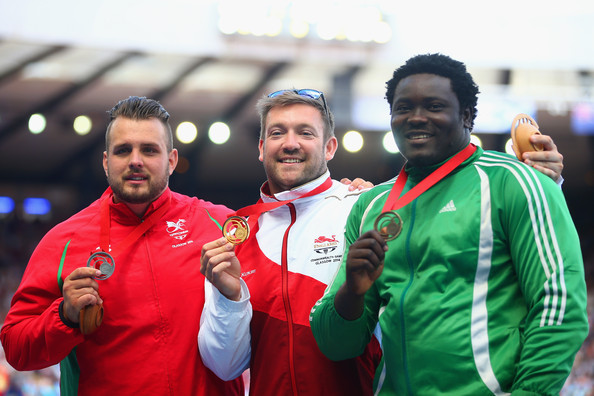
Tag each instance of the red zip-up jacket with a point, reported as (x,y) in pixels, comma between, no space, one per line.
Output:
(152,304)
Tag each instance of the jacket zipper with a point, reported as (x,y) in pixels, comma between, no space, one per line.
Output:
(286,301)
(402,297)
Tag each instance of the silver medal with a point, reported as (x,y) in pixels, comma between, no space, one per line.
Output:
(104,262)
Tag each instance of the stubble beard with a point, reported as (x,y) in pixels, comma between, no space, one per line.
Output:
(134,194)
(290,180)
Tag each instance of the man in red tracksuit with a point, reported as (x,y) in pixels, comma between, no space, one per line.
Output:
(146,343)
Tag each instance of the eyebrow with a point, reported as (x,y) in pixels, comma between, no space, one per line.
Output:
(142,145)
(298,126)
(424,99)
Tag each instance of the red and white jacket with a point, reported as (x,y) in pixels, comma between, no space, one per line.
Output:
(147,341)
(291,256)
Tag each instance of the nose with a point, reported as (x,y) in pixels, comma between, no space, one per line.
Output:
(417,115)
(135,159)
(291,141)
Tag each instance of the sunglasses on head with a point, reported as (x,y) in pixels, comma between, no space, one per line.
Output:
(307,93)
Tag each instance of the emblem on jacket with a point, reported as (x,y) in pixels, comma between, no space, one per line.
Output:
(177,230)
(325,245)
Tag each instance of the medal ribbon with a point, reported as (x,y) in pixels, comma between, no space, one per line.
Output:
(395,201)
(132,236)
(254,211)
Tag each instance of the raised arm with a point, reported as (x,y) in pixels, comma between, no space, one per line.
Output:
(364,264)
(224,338)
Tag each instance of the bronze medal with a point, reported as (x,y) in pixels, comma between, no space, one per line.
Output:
(236,230)
(389,225)
(102,261)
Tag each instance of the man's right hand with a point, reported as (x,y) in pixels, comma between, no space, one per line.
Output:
(80,289)
(364,264)
(221,267)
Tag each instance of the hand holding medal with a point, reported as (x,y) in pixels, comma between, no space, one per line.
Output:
(91,316)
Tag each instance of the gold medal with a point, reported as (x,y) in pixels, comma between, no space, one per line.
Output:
(389,225)
(236,230)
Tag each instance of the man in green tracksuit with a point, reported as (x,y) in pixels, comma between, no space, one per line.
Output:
(469,259)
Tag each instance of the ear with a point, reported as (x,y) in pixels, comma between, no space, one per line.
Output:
(467,118)
(331,147)
(105,162)
(173,158)
(261,149)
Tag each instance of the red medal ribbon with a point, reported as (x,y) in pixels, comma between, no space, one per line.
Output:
(254,211)
(395,201)
(136,232)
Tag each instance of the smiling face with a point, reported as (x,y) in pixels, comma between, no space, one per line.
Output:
(137,162)
(293,149)
(427,122)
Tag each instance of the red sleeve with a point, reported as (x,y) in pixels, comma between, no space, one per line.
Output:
(33,335)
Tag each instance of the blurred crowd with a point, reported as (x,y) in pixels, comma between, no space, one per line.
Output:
(18,240)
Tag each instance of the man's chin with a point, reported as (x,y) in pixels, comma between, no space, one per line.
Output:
(134,196)
(137,199)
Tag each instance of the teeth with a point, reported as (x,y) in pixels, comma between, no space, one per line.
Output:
(423,136)
(291,161)
(136,178)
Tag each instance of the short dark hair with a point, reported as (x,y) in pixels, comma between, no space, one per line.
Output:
(266,103)
(463,85)
(140,108)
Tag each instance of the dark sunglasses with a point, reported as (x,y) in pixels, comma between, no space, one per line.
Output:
(308,93)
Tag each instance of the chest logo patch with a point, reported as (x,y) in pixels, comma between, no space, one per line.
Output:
(325,245)
(177,229)
(449,207)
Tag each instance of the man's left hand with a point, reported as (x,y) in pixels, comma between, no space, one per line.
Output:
(549,161)
(357,184)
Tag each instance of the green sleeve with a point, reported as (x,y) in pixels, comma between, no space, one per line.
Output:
(337,337)
(546,255)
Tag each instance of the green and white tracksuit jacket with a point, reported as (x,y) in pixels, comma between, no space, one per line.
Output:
(483,292)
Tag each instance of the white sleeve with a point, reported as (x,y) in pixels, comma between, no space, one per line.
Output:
(224,338)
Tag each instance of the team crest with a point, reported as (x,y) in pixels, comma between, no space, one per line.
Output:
(177,229)
(325,245)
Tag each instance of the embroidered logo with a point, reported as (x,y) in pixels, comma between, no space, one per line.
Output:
(450,207)
(325,245)
(177,230)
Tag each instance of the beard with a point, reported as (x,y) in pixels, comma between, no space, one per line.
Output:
(285,180)
(138,194)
